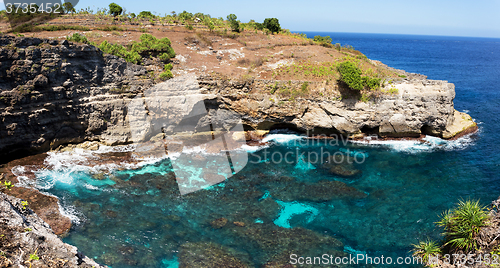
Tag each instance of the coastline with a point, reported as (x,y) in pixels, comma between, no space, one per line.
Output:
(258,113)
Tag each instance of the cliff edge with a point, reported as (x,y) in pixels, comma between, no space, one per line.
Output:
(27,241)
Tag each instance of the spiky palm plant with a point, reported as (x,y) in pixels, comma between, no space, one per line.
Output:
(426,249)
(464,223)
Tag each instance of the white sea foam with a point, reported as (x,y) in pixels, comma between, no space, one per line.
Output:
(282,138)
(427,144)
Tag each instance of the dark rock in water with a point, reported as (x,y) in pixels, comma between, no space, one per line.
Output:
(218,223)
(274,239)
(239,223)
(344,171)
(341,165)
(321,191)
(203,255)
(111,213)
(327,190)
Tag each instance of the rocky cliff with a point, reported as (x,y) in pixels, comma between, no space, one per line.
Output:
(53,93)
(27,241)
(56,92)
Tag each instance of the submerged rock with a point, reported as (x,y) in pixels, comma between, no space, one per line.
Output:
(218,223)
(207,254)
(321,191)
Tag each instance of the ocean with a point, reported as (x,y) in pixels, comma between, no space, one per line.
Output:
(133,216)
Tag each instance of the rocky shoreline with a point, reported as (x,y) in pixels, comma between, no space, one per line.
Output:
(75,94)
(24,235)
(63,102)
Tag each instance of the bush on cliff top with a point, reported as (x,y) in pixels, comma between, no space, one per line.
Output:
(120,51)
(115,9)
(76,37)
(149,46)
(152,46)
(350,74)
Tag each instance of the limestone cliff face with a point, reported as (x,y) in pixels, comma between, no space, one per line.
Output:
(421,106)
(54,92)
(57,92)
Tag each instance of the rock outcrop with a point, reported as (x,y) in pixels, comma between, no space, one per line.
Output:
(54,92)
(58,92)
(24,234)
(421,106)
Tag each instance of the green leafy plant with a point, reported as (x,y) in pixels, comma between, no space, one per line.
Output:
(234,23)
(68,7)
(272,24)
(351,75)
(24,204)
(8,185)
(463,224)
(426,249)
(151,46)
(323,39)
(115,9)
(76,37)
(33,257)
(146,14)
(28,229)
(166,75)
(120,51)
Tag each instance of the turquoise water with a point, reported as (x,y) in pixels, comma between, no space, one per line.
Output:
(137,218)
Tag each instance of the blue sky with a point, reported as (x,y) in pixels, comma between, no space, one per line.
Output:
(427,17)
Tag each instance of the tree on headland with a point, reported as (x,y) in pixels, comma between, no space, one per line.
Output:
(115,9)
(146,14)
(235,25)
(68,7)
(209,23)
(323,39)
(272,24)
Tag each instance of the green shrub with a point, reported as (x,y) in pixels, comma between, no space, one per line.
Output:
(272,24)
(168,67)
(372,83)
(146,14)
(323,39)
(426,249)
(351,75)
(115,9)
(209,23)
(68,7)
(166,75)
(76,37)
(463,224)
(184,15)
(151,46)
(120,51)
(235,25)
(304,87)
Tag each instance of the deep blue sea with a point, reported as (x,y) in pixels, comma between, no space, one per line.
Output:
(137,218)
